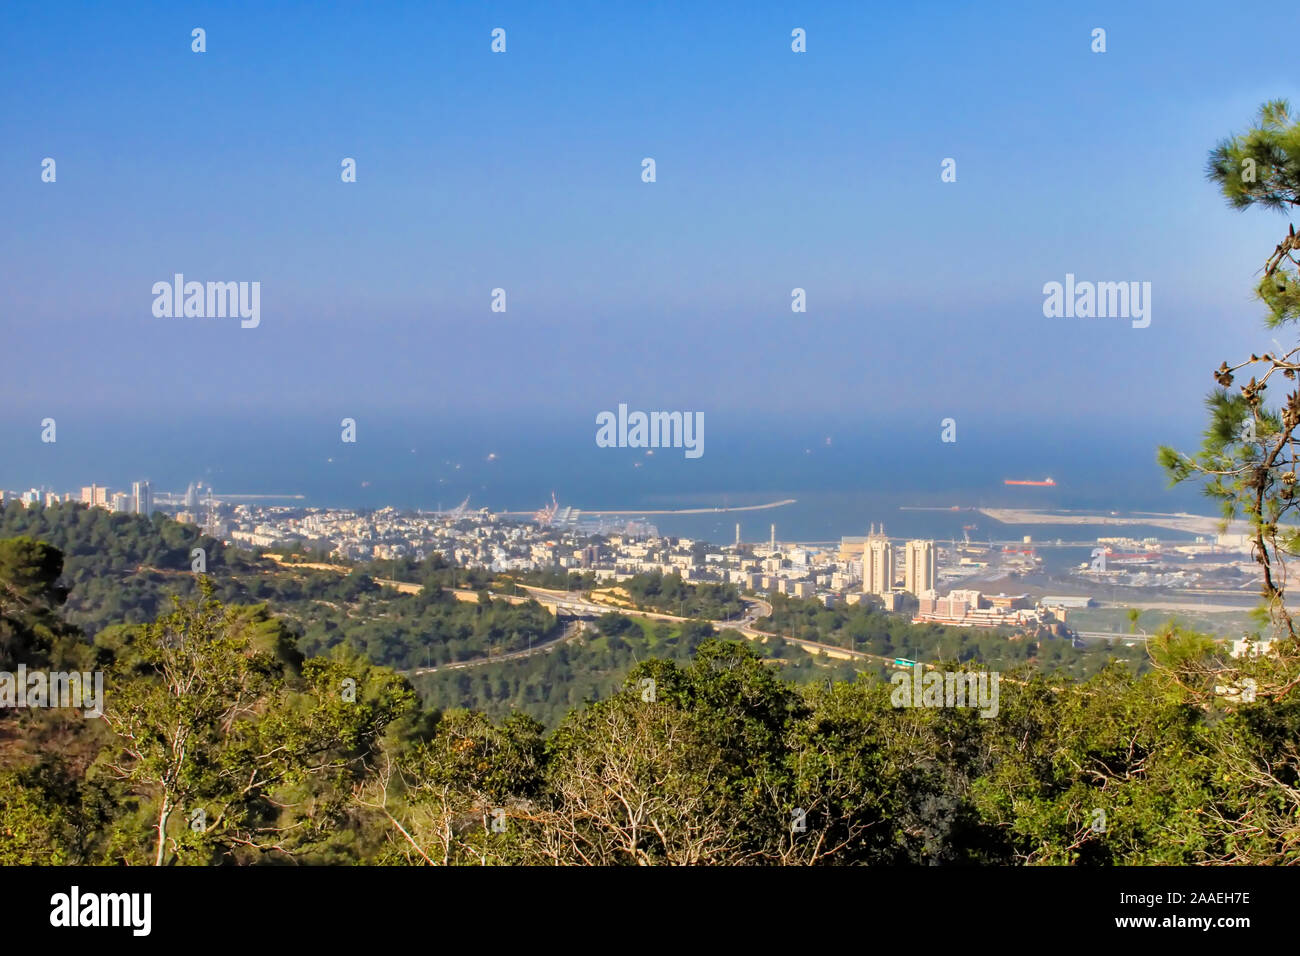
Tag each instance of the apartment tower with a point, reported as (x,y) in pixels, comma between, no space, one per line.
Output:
(877,565)
(918,567)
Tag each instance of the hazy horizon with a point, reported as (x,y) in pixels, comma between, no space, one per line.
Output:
(520,171)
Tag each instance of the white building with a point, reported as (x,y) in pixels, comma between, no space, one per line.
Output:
(142,498)
(877,565)
(919,567)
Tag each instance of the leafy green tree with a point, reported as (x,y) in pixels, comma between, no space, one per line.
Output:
(636,780)
(30,594)
(212,722)
(1247,458)
(465,795)
(46,819)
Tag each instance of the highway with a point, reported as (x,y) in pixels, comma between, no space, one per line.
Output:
(571,631)
(574,604)
(1111,636)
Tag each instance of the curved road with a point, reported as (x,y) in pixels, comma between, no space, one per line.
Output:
(574,602)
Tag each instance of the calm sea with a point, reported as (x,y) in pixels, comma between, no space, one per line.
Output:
(843,479)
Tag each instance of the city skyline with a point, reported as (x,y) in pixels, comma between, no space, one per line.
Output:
(930,583)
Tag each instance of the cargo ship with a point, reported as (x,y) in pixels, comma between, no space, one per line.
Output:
(1133,557)
(1045,483)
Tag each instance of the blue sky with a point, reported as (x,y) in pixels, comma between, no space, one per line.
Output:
(775,170)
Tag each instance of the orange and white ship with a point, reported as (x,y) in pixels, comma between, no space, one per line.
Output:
(1045,483)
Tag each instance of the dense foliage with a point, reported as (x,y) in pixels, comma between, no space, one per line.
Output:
(124,569)
(220,743)
(593,666)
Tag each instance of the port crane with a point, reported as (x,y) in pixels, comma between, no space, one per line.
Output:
(546,514)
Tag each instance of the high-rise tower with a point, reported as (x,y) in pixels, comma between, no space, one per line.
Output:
(142,498)
(877,565)
(918,567)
